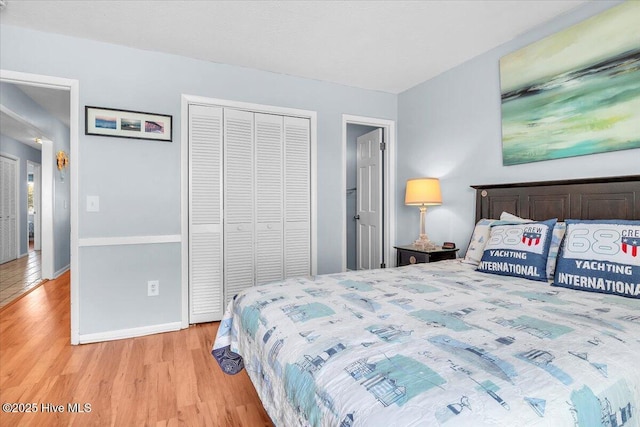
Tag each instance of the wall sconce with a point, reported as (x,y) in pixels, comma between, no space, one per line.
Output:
(62,161)
(423,192)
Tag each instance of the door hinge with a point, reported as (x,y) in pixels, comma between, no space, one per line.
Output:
(383,146)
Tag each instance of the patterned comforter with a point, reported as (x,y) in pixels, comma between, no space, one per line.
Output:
(435,344)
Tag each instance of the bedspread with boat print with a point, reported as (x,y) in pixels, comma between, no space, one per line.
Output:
(435,344)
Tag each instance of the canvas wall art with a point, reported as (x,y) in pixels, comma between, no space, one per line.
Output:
(576,92)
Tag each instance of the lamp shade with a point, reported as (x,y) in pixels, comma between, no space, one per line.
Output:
(423,192)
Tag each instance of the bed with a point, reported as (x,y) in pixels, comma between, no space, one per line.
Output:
(445,344)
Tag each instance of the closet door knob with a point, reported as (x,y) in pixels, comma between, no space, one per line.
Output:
(239,228)
(269,226)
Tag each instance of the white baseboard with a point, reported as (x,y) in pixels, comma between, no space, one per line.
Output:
(61,271)
(129,333)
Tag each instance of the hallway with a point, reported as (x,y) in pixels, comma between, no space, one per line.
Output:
(19,276)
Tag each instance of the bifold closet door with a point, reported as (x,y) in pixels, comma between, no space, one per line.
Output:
(239,265)
(249,204)
(205,214)
(297,197)
(269,255)
(8,209)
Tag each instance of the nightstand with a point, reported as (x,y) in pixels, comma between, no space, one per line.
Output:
(410,254)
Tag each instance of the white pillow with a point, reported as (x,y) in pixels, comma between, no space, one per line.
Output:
(481,234)
(556,239)
(478,241)
(506,216)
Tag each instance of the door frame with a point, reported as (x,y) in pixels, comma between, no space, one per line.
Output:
(389,171)
(47,170)
(184,167)
(46,194)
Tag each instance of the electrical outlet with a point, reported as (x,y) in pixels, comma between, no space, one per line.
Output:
(153,288)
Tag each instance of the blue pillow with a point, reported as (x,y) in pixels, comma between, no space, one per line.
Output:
(519,250)
(601,256)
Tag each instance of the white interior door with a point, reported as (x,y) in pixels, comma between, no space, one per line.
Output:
(369,207)
(8,209)
(239,263)
(205,214)
(297,197)
(269,255)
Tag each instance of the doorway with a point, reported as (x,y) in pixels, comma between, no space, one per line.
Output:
(363,210)
(369,193)
(34,215)
(20,268)
(51,192)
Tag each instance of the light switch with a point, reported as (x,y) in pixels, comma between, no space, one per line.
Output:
(93,204)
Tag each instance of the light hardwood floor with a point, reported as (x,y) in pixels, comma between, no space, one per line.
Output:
(158,380)
(19,276)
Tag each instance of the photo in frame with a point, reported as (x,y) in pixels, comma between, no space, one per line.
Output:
(128,124)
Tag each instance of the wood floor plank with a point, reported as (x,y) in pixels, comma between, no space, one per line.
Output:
(158,380)
(187,386)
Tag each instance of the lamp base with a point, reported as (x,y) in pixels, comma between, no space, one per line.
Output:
(424,243)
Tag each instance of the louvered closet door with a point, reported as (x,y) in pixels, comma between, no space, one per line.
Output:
(205,214)
(8,208)
(269,198)
(238,202)
(297,197)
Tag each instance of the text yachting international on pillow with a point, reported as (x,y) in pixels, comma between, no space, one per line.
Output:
(519,250)
(601,256)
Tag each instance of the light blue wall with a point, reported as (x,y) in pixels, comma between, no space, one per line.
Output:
(58,132)
(119,297)
(24,153)
(138,182)
(450,127)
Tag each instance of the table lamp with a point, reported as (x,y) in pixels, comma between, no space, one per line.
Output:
(423,192)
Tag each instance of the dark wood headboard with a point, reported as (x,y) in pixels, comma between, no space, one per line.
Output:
(593,198)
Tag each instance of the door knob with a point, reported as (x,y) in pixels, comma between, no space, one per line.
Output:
(356,217)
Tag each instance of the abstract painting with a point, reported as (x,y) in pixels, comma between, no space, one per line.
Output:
(575,92)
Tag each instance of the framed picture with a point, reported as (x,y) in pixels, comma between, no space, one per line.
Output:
(127,124)
(575,92)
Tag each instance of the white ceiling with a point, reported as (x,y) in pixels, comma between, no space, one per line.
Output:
(56,101)
(388,46)
(21,128)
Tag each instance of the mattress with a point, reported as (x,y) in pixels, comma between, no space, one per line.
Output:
(435,344)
